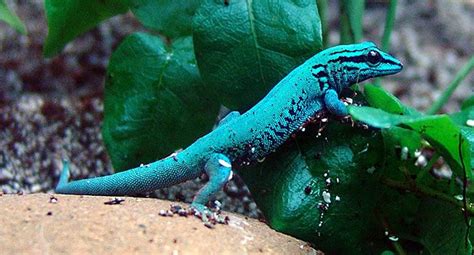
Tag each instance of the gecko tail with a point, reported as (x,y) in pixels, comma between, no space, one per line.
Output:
(145,178)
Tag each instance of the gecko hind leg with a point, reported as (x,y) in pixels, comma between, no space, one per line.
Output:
(219,170)
(65,175)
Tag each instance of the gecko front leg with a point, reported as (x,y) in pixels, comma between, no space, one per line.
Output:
(333,104)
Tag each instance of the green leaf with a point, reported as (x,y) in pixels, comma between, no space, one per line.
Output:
(172,18)
(10,18)
(437,225)
(154,100)
(68,19)
(439,130)
(380,98)
(323,14)
(463,119)
(403,137)
(364,215)
(442,228)
(468,103)
(246,47)
(288,187)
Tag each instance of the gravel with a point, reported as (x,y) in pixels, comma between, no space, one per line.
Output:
(52,108)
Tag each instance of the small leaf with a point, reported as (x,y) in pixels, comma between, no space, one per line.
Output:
(172,18)
(376,117)
(380,98)
(439,130)
(244,48)
(10,18)
(468,103)
(68,19)
(403,137)
(464,120)
(154,100)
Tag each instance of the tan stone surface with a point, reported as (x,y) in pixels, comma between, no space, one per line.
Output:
(30,224)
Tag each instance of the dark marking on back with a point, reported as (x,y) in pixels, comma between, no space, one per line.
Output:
(318,66)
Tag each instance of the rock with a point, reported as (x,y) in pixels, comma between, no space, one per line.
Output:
(31,224)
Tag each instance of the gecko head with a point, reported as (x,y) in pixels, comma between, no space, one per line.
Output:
(358,62)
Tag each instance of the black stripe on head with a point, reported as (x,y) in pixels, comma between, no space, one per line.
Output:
(353,59)
(346,51)
(351,68)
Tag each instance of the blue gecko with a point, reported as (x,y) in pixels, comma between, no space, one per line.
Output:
(244,139)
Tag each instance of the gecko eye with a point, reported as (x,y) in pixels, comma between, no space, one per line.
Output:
(373,58)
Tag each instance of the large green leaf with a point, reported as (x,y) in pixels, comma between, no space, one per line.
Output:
(439,130)
(364,216)
(442,228)
(245,47)
(172,18)
(154,102)
(289,185)
(68,19)
(10,18)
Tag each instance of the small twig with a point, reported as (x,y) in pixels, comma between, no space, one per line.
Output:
(464,190)
(389,21)
(465,70)
(396,245)
(425,191)
(387,32)
(322,9)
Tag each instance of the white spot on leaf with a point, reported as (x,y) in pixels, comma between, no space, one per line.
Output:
(470,123)
(326,197)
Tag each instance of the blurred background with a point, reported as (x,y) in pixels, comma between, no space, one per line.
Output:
(52,108)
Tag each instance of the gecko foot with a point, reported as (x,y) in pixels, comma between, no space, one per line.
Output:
(209,217)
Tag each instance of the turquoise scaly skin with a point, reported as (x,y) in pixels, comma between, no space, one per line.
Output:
(244,139)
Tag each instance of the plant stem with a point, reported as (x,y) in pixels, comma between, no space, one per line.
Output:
(387,32)
(396,245)
(389,21)
(425,191)
(344,27)
(422,173)
(323,9)
(465,70)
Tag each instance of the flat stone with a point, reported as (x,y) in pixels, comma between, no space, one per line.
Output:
(31,224)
